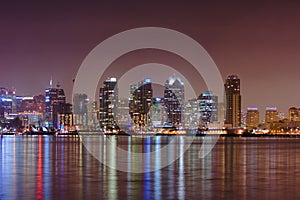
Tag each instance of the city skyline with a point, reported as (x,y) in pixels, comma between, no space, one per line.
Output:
(158,93)
(149,99)
(258,41)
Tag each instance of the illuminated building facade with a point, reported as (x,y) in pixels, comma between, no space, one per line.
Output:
(11,94)
(158,114)
(174,100)
(31,109)
(294,114)
(27,104)
(55,103)
(31,104)
(39,103)
(80,109)
(232,101)
(271,115)
(5,106)
(123,116)
(191,113)
(6,102)
(19,104)
(252,118)
(208,104)
(60,110)
(140,102)
(108,99)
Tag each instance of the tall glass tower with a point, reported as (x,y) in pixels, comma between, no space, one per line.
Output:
(174,100)
(208,108)
(108,99)
(140,102)
(55,102)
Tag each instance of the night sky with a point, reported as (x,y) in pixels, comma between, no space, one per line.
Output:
(258,41)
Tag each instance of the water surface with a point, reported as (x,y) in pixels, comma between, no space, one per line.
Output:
(49,167)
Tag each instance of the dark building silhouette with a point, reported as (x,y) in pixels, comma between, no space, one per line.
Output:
(27,104)
(60,110)
(232,101)
(19,104)
(39,103)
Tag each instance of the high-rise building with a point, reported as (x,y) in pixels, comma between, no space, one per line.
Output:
(140,102)
(294,114)
(244,117)
(5,106)
(93,116)
(191,113)
(19,104)
(12,95)
(252,118)
(31,109)
(282,116)
(60,111)
(208,108)
(123,116)
(158,115)
(6,103)
(174,100)
(3,92)
(30,104)
(27,104)
(39,103)
(232,101)
(271,115)
(80,109)
(108,99)
(55,102)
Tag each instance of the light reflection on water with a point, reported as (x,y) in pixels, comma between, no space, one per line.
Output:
(46,167)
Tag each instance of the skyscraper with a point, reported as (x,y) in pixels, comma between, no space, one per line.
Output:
(157,112)
(108,99)
(271,115)
(208,108)
(12,95)
(191,113)
(174,100)
(55,102)
(80,109)
(62,115)
(252,118)
(19,104)
(140,102)
(123,116)
(5,106)
(232,101)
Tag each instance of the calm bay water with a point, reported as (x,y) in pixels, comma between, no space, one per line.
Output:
(47,167)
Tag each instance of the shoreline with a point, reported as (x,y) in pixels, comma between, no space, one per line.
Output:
(147,135)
